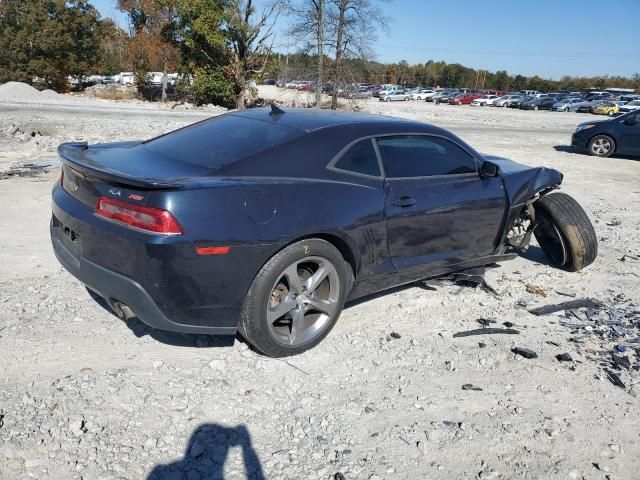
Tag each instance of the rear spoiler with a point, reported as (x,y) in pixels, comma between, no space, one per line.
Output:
(73,154)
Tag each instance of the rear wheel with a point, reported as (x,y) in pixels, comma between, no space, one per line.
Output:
(601,146)
(565,232)
(296,298)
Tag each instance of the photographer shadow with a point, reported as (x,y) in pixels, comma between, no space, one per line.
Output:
(207,452)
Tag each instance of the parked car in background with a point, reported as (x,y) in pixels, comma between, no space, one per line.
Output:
(587,106)
(484,100)
(506,100)
(538,103)
(629,107)
(599,95)
(395,96)
(353,93)
(387,90)
(518,102)
(620,135)
(422,94)
(444,97)
(569,104)
(606,108)
(465,99)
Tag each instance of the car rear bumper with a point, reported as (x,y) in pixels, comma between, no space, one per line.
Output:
(120,290)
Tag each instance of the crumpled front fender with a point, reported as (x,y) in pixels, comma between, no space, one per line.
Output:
(523,182)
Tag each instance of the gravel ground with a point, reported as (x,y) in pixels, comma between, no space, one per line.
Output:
(85,395)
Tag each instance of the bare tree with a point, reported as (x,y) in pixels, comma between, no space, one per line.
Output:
(308,27)
(250,37)
(352,24)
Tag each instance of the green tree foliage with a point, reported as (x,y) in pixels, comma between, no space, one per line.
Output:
(113,49)
(214,87)
(48,40)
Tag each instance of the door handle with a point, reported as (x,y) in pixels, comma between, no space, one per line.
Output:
(404,201)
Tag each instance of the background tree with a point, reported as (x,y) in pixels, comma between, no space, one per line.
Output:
(153,43)
(48,40)
(114,44)
(352,24)
(308,27)
(249,37)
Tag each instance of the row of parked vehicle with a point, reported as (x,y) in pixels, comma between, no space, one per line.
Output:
(598,102)
(602,103)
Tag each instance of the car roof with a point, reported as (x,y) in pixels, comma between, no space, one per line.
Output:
(311,119)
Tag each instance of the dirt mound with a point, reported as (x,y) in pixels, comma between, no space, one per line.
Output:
(113,91)
(49,93)
(18,91)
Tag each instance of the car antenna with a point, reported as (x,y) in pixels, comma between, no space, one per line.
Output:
(276,111)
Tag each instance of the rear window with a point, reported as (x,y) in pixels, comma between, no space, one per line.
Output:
(220,140)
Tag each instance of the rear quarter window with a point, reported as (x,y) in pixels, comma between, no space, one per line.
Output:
(221,140)
(361,158)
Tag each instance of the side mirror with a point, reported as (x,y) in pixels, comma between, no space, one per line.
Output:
(488,169)
(630,120)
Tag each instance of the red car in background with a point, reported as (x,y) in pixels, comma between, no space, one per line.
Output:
(465,99)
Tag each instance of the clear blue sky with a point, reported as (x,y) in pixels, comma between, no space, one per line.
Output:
(550,38)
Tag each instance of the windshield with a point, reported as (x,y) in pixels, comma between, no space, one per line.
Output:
(220,140)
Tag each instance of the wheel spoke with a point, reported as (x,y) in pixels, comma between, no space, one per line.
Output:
(293,277)
(296,337)
(317,278)
(324,306)
(281,309)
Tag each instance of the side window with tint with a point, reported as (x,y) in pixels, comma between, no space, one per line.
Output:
(360,158)
(423,156)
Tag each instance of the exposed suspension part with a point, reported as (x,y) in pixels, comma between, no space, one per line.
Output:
(520,232)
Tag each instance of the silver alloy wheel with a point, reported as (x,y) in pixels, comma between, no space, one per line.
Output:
(601,146)
(303,301)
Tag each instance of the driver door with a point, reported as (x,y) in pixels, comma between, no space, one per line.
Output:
(439,211)
(630,133)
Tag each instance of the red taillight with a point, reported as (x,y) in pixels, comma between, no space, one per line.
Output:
(150,219)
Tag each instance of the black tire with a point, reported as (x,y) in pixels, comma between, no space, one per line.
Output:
(597,146)
(565,232)
(254,326)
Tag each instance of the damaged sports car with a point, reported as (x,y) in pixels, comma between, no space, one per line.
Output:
(266,221)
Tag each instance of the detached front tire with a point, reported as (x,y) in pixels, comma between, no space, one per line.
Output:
(565,232)
(296,298)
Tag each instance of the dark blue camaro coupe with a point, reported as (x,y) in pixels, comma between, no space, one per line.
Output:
(267,221)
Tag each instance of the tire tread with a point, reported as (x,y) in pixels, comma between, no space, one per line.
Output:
(575,226)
